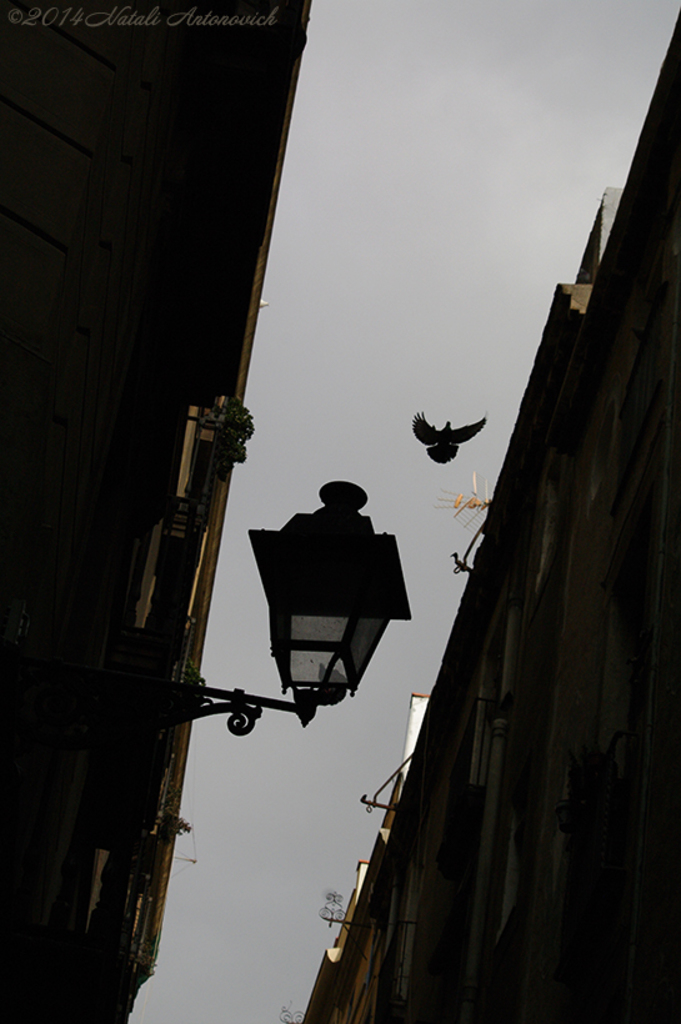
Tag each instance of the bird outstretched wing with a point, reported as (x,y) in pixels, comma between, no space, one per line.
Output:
(423,430)
(466,433)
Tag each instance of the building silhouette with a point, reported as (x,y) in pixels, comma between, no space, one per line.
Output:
(529,870)
(139,177)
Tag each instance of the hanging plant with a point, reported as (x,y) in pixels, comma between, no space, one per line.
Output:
(146,958)
(236,431)
(170,823)
(192,676)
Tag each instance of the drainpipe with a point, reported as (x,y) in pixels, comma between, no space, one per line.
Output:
(481,892)
(484,871)
(658,594)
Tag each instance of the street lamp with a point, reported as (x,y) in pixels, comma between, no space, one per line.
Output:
(332,586)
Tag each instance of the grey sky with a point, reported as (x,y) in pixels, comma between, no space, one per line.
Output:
(445,164)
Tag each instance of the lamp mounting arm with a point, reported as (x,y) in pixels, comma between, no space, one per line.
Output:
(77,707)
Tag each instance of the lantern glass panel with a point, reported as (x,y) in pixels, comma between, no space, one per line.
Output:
(363,641)
(309,667)
(327,628)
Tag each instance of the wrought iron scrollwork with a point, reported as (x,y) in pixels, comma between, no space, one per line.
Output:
(286,1017)
(74,707)
(333,910)
(243,716)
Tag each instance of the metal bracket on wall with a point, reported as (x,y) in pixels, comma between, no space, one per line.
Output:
(370,804)
(74,707)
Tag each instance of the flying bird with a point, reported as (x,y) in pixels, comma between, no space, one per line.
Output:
(444,444)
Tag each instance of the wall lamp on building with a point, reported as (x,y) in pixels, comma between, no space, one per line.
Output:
(332,586)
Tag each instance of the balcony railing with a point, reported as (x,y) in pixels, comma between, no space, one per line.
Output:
(600,793)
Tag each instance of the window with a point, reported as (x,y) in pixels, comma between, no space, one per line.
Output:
(597,825)
(466,793)
(514,855)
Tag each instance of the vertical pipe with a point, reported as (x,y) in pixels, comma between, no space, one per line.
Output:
(490,816)
(484,871)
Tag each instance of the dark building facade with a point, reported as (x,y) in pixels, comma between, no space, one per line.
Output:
(529,871)
(138,181)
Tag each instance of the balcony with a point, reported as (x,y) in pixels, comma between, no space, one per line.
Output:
(155,629)
(600,798)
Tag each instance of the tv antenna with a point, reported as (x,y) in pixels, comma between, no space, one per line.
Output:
(471,511)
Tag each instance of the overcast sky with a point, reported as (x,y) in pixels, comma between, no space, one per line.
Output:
(445,164)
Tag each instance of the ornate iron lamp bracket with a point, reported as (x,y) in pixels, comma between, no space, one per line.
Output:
(75,707)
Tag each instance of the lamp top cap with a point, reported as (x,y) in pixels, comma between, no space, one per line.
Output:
(338,515)
(341,492)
